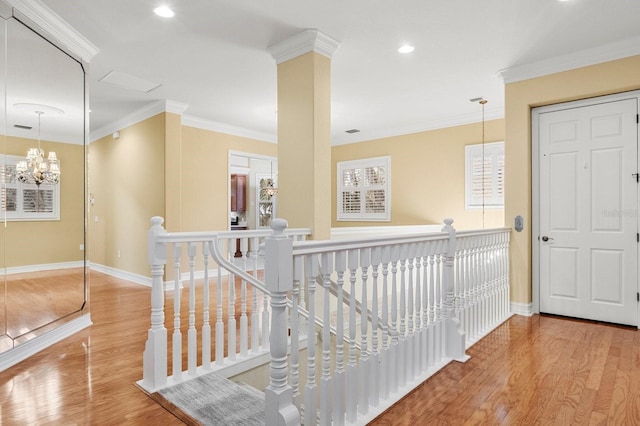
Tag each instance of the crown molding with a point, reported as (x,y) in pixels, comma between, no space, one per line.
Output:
(310,40)
(52,24)
(175,107)
(148,111)
(579,59)
(458,120)
(214,126)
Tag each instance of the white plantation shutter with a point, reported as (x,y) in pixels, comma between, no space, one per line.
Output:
(363,189)
(484,175)
(19,201)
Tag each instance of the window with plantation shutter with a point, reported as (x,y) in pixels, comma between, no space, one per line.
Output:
(484,175)
(20,201)
(364,189)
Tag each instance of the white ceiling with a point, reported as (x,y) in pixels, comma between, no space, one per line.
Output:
(213,55)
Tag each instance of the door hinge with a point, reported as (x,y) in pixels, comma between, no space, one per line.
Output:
(638,297)
(638,238)
(637,176)
(637,118)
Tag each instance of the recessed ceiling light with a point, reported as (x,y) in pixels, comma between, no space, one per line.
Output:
(407,48)
(164,11)
(352,131)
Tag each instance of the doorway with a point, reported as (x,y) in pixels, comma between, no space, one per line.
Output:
(585,185)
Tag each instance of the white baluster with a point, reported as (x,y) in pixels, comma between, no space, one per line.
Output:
(437,306)
(231,324)
(295,333)
(394,369)
(409,369)
(424,334)
(339,409)
(402,348)
(192,333)
(363,365)
(431,332)
(265,321)
(374,375)
(177,334)
(310,398)
(219,336)
(255,326)
(384,356)
(417,331)
(206,326)
(325,379)
(244,320)
(352,367)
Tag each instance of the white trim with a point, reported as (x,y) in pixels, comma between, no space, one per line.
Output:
(525,309)
(458,120)
(148,111)
(214,126)
(307,41)
(41,267)
(354,232)
(52,24)
(175,107)
(582,58)
(35,345)
(119,273)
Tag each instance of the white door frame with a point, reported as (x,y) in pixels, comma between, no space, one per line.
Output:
(535,180)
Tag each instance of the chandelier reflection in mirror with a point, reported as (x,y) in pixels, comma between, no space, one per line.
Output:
(35,169)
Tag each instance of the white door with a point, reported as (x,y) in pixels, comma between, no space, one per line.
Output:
(588,218)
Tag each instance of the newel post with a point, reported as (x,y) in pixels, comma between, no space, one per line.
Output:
(455,339)
(278,272)
(155,352)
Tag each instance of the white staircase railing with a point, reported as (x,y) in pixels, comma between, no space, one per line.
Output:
(243,302)
(412,290)
(349,326)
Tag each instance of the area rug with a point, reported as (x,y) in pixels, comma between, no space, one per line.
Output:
(214,400)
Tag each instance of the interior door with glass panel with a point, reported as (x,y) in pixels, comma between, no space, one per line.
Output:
(588,213)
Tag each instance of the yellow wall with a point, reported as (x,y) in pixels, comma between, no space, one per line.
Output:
(607,78)
(126,178)
(427,175)
(41,242)
(205,176)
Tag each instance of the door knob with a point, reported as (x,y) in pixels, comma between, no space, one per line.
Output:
(545,238)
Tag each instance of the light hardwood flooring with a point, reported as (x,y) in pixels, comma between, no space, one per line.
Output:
(537,370)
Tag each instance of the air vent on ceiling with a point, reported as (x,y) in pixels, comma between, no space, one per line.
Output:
(129,82)
(352,131)
(22,126)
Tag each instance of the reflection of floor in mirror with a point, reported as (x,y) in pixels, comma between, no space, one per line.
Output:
(34,299)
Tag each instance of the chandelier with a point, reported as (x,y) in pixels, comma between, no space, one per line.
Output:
(35,169)
(270,189)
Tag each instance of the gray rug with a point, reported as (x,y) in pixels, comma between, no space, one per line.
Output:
(214,400)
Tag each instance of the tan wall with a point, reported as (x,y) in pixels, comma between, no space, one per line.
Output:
(126,178)
(205,176)
(607,78)
(427,175)
(41,242)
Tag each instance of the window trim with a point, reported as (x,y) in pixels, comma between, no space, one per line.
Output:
(360,216)
(20,215)
(492,150)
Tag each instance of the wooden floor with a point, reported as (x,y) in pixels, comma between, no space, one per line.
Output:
(537,370)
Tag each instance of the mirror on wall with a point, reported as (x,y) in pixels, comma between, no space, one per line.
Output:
(42,167)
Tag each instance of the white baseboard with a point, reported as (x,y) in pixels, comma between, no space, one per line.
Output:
(119,273)
(35,345)
(525,309)
(41,267)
